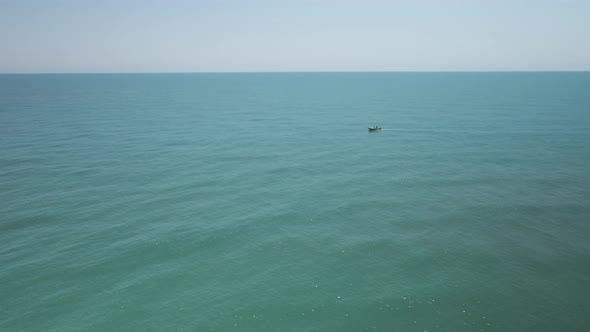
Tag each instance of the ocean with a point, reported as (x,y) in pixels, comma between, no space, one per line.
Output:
(261,202)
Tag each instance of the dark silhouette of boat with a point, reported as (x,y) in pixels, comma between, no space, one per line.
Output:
(375,128)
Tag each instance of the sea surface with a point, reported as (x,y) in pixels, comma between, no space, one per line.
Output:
(260,202)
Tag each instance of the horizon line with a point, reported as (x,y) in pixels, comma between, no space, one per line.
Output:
(295,72)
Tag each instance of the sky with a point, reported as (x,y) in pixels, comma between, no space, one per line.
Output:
(63,36)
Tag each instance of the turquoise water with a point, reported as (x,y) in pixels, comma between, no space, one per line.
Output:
(260,202)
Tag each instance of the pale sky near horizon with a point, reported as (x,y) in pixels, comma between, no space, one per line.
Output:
(304,35)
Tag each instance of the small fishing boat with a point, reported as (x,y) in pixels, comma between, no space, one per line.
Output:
(376,128)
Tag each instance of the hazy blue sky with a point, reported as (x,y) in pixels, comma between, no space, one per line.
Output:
(302,35)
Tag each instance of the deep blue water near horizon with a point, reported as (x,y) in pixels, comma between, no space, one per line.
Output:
(260,202)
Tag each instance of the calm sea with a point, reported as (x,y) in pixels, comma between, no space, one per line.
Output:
(260,202)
